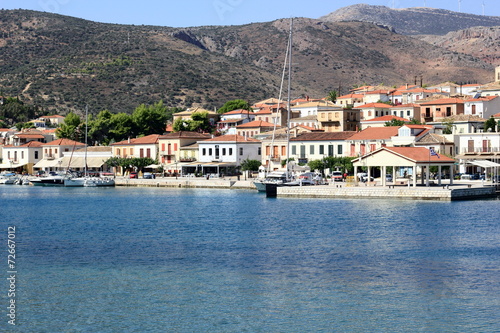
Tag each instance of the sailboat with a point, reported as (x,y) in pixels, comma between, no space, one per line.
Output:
(277,178)
(86,180)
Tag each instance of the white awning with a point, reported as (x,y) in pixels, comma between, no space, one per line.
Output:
(46,164)
(11,166)
(484,163)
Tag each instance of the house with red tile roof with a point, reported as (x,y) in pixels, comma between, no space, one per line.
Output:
(339,119)
(371,139)
(22,157)
(416,94)
(375,96)
(317,145)
(312,108)
(373,110)
(380,121)
(146,146)
(171,144)
(253,128)
(407,111)
(441,108)
(230,120)
(310,122)
(54,119)
(350,100)
(410,160)
(223,155)
(54,151)
(483,107)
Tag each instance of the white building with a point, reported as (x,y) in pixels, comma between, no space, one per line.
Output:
(483,107)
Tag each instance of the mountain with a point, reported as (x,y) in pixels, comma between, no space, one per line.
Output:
(480,42)
(61,63)
(412,21)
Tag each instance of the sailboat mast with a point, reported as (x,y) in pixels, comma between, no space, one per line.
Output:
(86,131)
(289,97)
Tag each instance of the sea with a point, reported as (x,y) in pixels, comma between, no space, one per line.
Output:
(204,260)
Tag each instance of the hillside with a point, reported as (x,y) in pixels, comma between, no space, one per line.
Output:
(480,42)
(62,63)
(412,21)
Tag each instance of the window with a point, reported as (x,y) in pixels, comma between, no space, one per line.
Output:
(448,111)
(283,150)
(131,151)
(259,151)
(204,151)
(330,150)
(294,150)
(230,151)
(321,149)
(408,113)
(162,147)
(311,149)
(175,146)
(148,152)
(339,150)
(223,151)
(209,151)
(241,151)
(36,155)
(22,154)
(473,109)
(141,152)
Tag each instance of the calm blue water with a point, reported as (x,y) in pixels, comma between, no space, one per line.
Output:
(167,260)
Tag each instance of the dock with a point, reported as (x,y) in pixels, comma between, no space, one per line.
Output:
(336,190)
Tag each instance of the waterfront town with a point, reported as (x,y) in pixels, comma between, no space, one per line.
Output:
(445,131)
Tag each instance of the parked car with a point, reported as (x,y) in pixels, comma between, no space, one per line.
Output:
(363,177)
(148,175)
(337,176)
(388,178)
(133,175)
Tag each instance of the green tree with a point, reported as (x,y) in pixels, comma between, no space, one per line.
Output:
(181,125)
(99,128)
(2,124)
(150,119)
(395,122)
(332,96)
(490,123)
(70,129)
(200,122)
(250,165)
(448,127)
(235,104)
(121,127)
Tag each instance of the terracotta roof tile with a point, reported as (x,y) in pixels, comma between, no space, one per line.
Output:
(444,101)
(256,123)
(150,139)
(374,105)
(64,142)
(376,133)
(324,136)
(231,138)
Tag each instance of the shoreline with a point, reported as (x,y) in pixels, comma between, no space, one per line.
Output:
(444,192)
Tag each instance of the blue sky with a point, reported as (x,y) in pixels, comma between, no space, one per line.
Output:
(187,13)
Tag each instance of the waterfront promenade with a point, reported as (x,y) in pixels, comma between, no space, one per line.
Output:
(458,191)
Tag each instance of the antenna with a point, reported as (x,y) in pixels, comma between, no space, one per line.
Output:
(425,3)
(459,5)
(483,7)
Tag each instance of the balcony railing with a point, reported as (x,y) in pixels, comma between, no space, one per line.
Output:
(187,159)
(480,150)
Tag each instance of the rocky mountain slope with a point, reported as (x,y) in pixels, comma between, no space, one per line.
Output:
(480,42)
(412,21)
(62,63)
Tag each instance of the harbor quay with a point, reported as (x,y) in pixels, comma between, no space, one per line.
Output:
(443,192)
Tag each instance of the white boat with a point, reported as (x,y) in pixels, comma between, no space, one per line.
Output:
(275,177)
(52,180)
(99,181)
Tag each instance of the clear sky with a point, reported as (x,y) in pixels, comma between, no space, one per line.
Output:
(188,13)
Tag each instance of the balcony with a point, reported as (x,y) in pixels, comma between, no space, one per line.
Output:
(187,159)
(49,157)
(480,150)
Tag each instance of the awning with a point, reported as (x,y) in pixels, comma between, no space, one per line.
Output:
(484,163)
(152,166)
(79,162)
(46,164)
(11,166)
